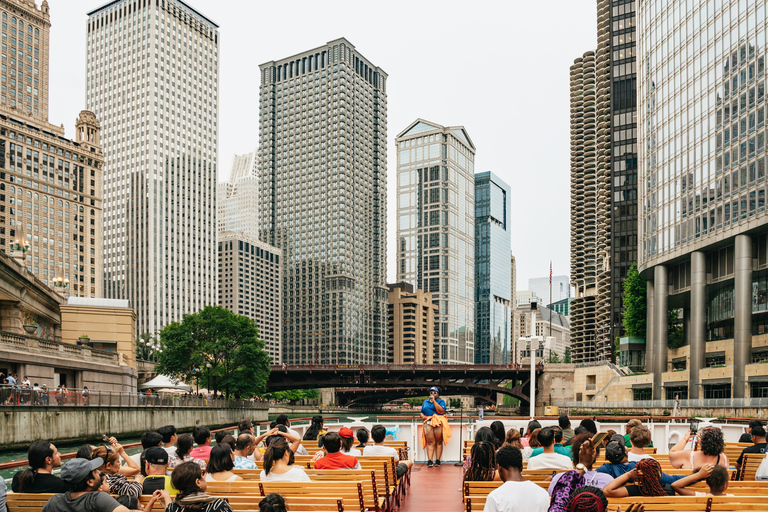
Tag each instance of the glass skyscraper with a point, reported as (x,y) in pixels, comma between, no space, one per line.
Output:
(436,229)
(322,200)
(493,271)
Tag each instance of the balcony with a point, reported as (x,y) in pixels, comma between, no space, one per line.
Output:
(33,344)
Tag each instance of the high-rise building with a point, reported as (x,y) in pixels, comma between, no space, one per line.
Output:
(513,295)
(250,284)
(152,76)
(493,301)
(24,74)
(590,206)
(322,190)
(411,325)
(52,197)
(704,228)
(238,199)
(526,297)
(436,229)
(561,288)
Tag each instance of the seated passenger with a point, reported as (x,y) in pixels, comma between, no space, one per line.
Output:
(118,483)
(272,503)
(584,455)
(333,458)
(712,446)
(347,440)
(559,448)
(639,437)
(155,466)
(587,498)
(516,494)
(221,465)
(38,478)
(379,433)
(246,444)
(278,465)
(202,436)
(758,437)
(483,465)
(548,459)
(362,438)
(188,478)
(647,477)
(184,445)
(716,477)
(631,425)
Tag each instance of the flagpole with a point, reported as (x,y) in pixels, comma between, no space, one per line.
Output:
(550,305)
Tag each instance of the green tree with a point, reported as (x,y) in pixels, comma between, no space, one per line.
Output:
(567,358)
(219,348)
(675,338)
(554,358)
(294,395)
(634,303)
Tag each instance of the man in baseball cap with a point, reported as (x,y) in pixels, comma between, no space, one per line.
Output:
(156,466)
(82,477)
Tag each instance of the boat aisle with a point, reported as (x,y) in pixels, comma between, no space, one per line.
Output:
(434,489)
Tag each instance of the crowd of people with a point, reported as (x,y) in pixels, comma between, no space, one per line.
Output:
(15,391)
(571,454)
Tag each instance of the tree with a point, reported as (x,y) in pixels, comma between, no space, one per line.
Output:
(294,395)
(554,358)
(675,338)
(634,303)
(567,358)
(219,348)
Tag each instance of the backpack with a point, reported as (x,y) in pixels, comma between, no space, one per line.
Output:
(561,492)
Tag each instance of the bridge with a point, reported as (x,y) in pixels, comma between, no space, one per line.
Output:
(365,384)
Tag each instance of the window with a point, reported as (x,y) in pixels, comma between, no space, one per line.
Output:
(642,394)
(717,391)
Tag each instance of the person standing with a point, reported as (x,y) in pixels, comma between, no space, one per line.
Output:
(436,430)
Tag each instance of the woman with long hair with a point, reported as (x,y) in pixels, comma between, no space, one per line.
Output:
(278,464)
(533,443)
(189,480)
(184,445)
(646,474)
(513,439)
(315,429)
(499,431)
(221,464)
(118,484)
(483,463)
(37,477)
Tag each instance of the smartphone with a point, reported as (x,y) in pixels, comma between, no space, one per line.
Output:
(598,439)
(522,432)
(694,426)
(105,437)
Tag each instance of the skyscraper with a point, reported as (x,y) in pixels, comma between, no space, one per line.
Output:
(513,295)
(238,199)
(322,189)
(436,229)
(493,299)
(152,79)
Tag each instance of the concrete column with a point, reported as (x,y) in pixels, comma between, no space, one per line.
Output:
(650,335)
(698,325)
(661,293)
(742,320)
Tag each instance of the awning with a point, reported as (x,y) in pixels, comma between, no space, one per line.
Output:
(166,382)
(710,382)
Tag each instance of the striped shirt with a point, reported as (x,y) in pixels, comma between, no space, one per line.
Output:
(120,485)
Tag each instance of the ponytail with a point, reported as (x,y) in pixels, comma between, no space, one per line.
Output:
(38,452)
(314,429)
(274,452)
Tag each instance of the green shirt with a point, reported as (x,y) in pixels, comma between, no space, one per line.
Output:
(628,444)
(559,448)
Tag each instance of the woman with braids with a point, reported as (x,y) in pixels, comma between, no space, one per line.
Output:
(483,463)
(483,435)
(38,478)
(188,478)
(712,446)
(278,466)
(587,499)
(646,475)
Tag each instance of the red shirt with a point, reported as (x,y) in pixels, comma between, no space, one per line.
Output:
(201,452)
(336,460)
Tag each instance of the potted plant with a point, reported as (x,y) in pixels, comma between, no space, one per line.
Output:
(83,339)
(30,328)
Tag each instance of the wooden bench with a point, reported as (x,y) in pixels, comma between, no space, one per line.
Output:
(749,465)
(666,503)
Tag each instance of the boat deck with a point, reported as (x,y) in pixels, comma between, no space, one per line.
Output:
(434,489)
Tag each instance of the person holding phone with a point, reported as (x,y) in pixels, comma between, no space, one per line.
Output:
(436,430)
(712,446)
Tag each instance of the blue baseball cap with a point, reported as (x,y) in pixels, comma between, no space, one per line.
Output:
(434,388)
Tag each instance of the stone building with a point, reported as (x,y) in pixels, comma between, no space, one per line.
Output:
(411,325)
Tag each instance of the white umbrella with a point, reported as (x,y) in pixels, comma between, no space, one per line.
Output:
(166,382)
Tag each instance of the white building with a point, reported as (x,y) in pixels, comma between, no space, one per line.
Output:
(238,199)
(561,288)
(524,297)
(152,72)
(559,328)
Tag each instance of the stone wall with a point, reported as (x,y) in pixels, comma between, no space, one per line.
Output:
(19,426)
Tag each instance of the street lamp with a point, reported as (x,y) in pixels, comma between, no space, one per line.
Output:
(19,248)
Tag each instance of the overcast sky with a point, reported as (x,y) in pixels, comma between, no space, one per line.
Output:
(500,69)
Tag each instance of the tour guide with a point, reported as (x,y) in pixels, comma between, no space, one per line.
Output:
(436,430)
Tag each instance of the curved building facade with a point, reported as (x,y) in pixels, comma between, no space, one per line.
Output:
(703,222)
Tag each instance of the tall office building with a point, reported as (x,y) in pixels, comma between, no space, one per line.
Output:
(152,76)
(493,299)
(322,189)
(561,288)
(411,325)
(250,284)
(590,207)
(704,229)
(513,295)
(238,198)
(436,229)
(24,74)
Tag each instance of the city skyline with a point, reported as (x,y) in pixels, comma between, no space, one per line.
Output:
(408,98)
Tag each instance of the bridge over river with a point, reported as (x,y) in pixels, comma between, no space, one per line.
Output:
(378,383)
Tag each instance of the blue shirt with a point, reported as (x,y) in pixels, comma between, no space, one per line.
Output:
(427,409)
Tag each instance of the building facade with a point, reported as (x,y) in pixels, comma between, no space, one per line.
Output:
(493,299)
(152,79)
(24,74)
(250,284)
(526,297)
(323,186)
(411,325)
(561,288)
(562,307)
(436,229)
(513,295)
(237,199)
(702,164)
(558,328)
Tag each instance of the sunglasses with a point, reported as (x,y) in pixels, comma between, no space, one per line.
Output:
(433,393)
(109,448)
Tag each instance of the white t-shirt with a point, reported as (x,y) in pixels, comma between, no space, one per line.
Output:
(517,497)
(634,457)
(550,461)
(353,452)
(171,450)
(295,474)
(381,451)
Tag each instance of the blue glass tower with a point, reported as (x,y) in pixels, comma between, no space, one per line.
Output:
(493,272)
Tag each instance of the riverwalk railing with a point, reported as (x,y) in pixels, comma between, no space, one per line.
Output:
(21,396)
(702,403)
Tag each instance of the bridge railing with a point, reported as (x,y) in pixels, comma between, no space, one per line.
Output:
(40,397)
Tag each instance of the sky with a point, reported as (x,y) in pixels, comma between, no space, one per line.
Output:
(500,69)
